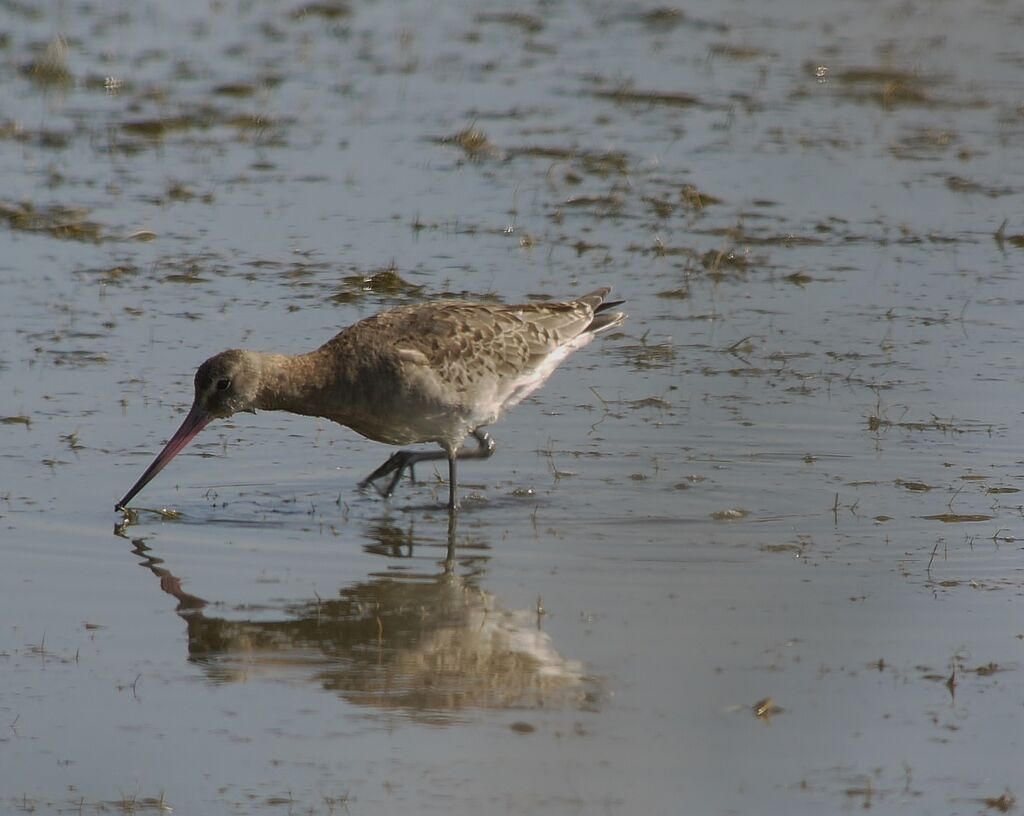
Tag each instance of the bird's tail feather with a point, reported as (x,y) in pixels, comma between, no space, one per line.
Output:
(603,319)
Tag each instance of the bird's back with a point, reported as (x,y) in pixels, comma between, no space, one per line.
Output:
(460,364)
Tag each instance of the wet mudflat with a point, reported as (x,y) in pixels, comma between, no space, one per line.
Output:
(758,552)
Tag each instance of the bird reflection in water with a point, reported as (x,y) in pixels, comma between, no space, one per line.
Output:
(424,642)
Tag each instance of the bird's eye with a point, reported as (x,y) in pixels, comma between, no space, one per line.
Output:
(223,384)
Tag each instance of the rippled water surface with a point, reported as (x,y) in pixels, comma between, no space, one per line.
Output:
(757,552)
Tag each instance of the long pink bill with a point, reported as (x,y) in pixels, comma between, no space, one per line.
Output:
(196,420)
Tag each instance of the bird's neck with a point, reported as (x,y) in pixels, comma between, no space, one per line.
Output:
(300,384)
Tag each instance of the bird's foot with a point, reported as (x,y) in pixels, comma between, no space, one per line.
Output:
(397,464)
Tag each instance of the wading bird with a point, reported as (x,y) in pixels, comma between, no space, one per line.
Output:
(434,372)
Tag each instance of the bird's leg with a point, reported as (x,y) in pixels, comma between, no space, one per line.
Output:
(397,464)
(453,484)
(485,447)
(449,558)
(401,460)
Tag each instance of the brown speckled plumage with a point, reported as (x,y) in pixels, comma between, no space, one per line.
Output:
(433,372)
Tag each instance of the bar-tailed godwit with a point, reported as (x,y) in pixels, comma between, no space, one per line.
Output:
(435,372)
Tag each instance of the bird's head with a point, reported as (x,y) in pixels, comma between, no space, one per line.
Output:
(228,383)
(225,384)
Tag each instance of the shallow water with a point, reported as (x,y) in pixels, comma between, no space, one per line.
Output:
(758,552)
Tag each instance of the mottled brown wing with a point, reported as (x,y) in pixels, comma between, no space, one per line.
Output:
(468,343)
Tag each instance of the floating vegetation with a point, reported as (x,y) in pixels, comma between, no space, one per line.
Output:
(766,709)
(662,250)
(1002,804)
(110,85)
(628,96)
(646,355)
(666,18)
(915,487)
(890,87)
(582,247)
(15,130)
(740,347)
(131,515)
(902,93)
(661,18)
(958,518)
(924,143)
(529,23)
(782,548)
(692,198)
(799,279)
(58,221)
(868,74)
(962,185)
(738,235)
(660,206)
(384,281)
(603,163)
(327,9)
(239,90)
(473,141)
(43,138)
(601,204)
(176,191)
(260,129)
(877,421)
(732,514)
(158,128)
(736,53)
(72,440)
(651,402)
(133,803)
(192,116)
(77,357)
(987,669)
(192,273)
(16,420)
(718,262)
(1016,240)
(52,66)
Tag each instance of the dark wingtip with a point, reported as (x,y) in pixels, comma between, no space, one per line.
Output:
(607,320)
(600,307)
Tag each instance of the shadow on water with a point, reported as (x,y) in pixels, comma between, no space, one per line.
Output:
(425,640)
